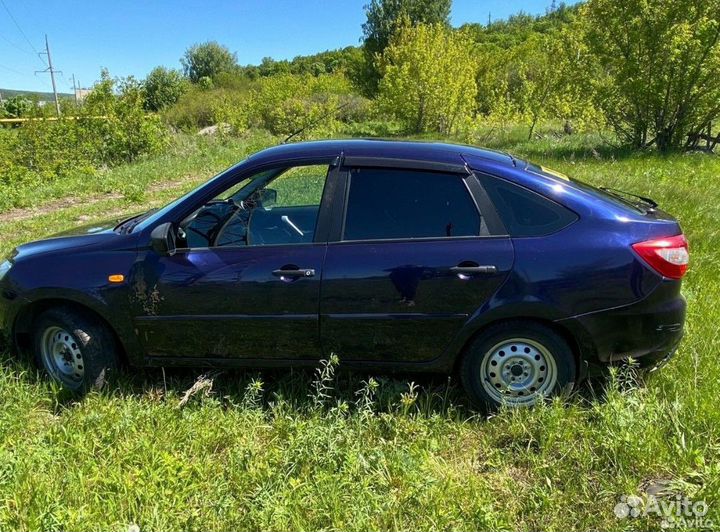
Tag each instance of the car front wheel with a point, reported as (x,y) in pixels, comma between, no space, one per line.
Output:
(76,349)
(517,364)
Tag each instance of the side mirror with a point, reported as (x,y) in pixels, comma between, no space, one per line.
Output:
(162,239)
(268,197)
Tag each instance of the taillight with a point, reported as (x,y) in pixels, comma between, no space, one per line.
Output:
(668,256)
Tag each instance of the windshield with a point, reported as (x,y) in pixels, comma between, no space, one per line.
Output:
(158,214)
(127,225)
(150,220)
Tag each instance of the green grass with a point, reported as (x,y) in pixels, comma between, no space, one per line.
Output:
(266,451)
(188,157)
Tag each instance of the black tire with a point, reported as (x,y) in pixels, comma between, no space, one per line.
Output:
(86,345)
(540,341)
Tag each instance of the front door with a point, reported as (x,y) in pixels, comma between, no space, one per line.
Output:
(245,282)
(415,261)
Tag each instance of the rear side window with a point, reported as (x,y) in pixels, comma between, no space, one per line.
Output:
(395,203)
(524,212)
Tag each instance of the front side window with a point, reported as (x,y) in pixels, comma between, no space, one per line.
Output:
(278,206)
(403,204)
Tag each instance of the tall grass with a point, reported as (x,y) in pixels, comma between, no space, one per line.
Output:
(296,450)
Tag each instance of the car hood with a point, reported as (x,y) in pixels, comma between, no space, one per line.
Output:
(93,234)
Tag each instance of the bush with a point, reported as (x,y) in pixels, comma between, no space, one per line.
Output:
(163,87)
(16,107)
(199,108)
(116,126)
(232,108)
(287,103)
(108,130)
(281,104)
(373,128)
(192,111)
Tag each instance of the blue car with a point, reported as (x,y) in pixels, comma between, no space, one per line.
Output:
(396,256)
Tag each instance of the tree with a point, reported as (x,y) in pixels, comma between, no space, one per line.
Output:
(429,77)
(513,31)
(383,17)
(658,67)
(207,60)
(163,87)
(547,78)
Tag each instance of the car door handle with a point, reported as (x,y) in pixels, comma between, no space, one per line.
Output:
(471,270)
(300,272)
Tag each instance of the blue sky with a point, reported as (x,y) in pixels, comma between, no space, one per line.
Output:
(133,36)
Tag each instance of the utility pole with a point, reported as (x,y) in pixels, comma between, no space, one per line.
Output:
(75,91)
(52,74)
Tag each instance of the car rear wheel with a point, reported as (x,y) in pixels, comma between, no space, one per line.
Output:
(517,364)
(76,349)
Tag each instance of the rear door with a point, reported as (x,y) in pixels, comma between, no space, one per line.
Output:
(414,258)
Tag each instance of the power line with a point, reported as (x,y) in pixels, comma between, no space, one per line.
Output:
(45,82)
(15,45)
(13,70)
(18,26)
(20,29)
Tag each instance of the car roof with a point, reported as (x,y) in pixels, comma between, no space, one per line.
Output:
(439,152)
(519,171)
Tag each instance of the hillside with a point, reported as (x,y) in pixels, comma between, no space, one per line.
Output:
(32,95)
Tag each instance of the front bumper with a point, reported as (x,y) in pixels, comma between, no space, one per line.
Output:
(9,306)
(648,331)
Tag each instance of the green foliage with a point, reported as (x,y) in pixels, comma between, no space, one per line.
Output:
(205,83)
(111,128)
(236,80)
(428,78)
(232,108)
(513,31)
(384,18)
(193,110)
(568,65)
(114,121)
(163,87)
(207,60)
(16,107)
(547,80)
(280,104)
(349,61)
(658,67)
(380,128)
(284,104)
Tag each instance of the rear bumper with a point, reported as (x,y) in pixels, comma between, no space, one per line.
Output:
(648,331)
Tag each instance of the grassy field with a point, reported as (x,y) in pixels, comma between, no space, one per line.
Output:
(253,451)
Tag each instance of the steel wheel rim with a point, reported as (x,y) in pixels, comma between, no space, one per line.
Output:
(62,356)
(518,371)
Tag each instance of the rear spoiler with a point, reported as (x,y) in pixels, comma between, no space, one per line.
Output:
(650,203)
